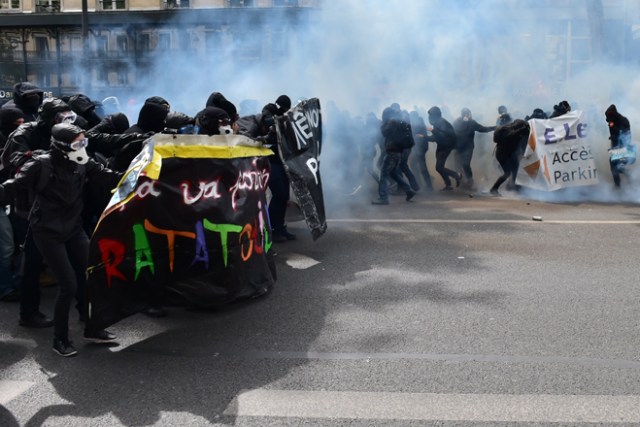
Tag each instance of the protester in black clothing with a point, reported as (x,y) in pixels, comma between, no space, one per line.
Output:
(216,99)
(85,108)
(10,120)
(419,150)
(150,119)
(620,137)
(262,127)
(55,180)
(562,108)
(30,137)
(504,118)
(283,103)
(510,141)
(27,97)
(444,136)
(465,128)
(538,113)
(398,137)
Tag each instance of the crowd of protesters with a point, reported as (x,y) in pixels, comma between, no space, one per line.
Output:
(60,157)
(402,168)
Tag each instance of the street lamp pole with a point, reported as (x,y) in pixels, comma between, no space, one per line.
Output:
(86,77)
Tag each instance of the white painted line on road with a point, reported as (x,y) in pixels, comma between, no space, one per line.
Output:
(432,406)
(300,262)
(9,390)
(484,221)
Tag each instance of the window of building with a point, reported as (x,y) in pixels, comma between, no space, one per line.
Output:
(47,5)
(174,4)
(143,44)
(10,5)
(101,46)
(240,3)
(123,78)
(285,2)
(214,42)
(122,45)
(42,47)
(113,4)
(164,42)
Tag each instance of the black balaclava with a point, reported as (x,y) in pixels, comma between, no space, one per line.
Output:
(211,119)
(284,104)
(216,99)
(151,117)
(27,97)
(435,114)
(8,117)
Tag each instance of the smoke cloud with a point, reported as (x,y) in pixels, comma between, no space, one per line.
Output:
(358,57)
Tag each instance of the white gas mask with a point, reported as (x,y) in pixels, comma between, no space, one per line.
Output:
(225,130)
(78,153)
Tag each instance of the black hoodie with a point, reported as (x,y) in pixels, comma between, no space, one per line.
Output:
(21,102)
(619,127)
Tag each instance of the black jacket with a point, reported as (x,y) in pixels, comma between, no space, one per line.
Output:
(511,139)
(397,134)
(619,127)
(442,134)
(57,206)
(20,90)
(466,130)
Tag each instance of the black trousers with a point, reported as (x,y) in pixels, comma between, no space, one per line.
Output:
(67,259)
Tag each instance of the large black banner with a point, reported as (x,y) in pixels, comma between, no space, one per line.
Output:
(188,225)
(299,145)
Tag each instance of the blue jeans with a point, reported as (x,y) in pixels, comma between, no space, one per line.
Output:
(6,254)
(390,169)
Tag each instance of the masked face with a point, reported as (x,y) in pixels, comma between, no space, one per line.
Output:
(66,117)
(31,101)
(78,153)
(224,127)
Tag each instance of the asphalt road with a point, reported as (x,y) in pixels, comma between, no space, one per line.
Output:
(450,310)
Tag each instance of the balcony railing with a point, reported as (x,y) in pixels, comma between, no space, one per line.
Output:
(44,6)
(113,4)
(177,4)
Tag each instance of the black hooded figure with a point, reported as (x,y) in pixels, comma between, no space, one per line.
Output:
(504,118)
(419,151)
(466,127)
(150,119)
(56,180)
(562,108)
(216,99)
(261,127)
(620,137)
(444,136)
(10,119)
(27,97)
(510,141)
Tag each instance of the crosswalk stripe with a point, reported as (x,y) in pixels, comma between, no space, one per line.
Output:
(431,406)
(9,390)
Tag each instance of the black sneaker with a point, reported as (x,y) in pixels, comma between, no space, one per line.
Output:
(282,236)
(64,348)
(37,320)
(100,337)
(410,195)
(11,296)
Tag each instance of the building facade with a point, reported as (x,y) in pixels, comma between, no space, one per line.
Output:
(47,43)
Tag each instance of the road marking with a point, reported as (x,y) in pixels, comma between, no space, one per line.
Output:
(484,221)
(300,262)
(9,390)
(432,406)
